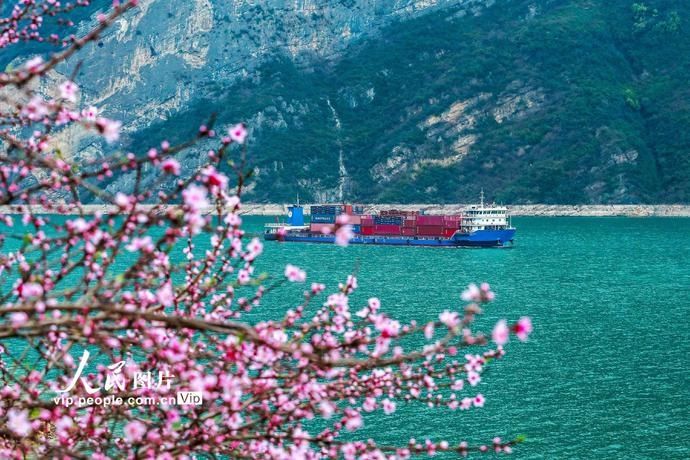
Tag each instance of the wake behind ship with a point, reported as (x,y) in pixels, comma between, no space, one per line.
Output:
(477,226)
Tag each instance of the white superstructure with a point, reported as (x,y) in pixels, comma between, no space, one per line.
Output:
(485,217)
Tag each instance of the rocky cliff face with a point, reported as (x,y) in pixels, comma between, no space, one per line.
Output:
(406,100)
(159,58)
(162,58)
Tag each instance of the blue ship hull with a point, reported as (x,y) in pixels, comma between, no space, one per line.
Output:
(479,238)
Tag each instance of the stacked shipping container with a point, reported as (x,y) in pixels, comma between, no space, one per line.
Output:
(323,218)
(389,222)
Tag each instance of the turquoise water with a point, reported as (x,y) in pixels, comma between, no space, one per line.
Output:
(607,371)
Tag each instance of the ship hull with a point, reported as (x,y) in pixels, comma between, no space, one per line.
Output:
(478,239)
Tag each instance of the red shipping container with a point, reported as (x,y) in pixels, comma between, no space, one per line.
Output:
(410,223)
(430,230)
(409,231)
(387,229)
(366,230)
(448,232)
(354,220)
(430,220)
(367,220)
(348,209)
(321,228)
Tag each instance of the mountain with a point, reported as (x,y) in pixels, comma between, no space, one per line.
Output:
(535,101)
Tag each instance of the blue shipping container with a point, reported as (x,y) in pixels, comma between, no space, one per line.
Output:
(388,220)
(323,218)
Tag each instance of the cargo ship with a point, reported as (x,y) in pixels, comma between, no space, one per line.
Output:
(476,226)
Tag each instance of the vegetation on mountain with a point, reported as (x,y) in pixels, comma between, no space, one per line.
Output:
(535,101)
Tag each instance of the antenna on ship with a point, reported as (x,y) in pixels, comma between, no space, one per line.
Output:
(297,198)
(481,198)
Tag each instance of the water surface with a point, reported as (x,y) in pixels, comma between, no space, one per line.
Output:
(607,371)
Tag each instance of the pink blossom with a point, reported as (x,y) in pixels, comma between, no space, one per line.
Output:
(327,409)
(35,109)
(110,129)
(430,448)
(215,178)
(134,431)
(171,166)
(471,294)
(450,319)
(63,425)
(388,406)
(29,290)
(429,331)
(479,400)
(486,292)
(235,420)
(349,451)
(482,293)
(353,420)
(89,113)
(523,328)
(78,225)
(68,91)
(387,327)
(254,249)
(195,198)
(317,288)
(501,333)
(165,295)
(343,235)
(238,133)
(18,319)
(122,200)
(243,277)
(18,422)
(295,274)
(473,378)
(458,385)
(34,65)
(369,404)
(195,221)
(140,244)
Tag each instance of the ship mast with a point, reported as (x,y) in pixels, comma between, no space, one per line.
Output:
(481,198)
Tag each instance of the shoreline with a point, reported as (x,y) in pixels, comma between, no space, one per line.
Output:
(522,210)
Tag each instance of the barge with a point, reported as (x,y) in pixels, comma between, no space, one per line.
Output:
(478,225)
